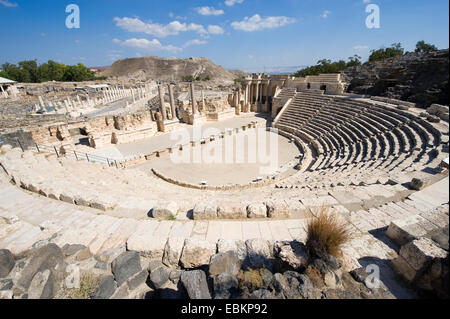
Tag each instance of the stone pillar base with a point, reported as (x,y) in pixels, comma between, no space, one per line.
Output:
(161,126)
(193,117)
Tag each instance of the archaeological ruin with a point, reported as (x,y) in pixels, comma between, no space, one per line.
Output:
(156,188)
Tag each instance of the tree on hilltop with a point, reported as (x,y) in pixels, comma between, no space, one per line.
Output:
(421,46)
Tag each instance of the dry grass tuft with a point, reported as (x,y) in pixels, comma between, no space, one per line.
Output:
(326,233)
(251,278)
(88,284)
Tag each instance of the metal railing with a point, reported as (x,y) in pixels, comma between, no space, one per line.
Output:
(74,154)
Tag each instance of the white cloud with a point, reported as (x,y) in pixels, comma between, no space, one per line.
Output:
(215,29)
(209,11)
(171,14)
(162,31)
(367,1)
(231,3)
(156,29)
(147,45)
(197,28)
(257,23)
(325,14)
(6,3)
(361,47)
(194,42)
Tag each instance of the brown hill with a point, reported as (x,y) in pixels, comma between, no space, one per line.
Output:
(169,69)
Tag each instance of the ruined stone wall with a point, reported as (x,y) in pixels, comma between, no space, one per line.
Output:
(420,78)
(132,121)
(101,131)
(51,134)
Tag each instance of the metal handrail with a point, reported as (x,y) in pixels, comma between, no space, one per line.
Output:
(79,156)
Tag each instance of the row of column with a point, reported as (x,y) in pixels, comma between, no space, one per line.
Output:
(109,95)
(256,94)
(162,103)
(172,101)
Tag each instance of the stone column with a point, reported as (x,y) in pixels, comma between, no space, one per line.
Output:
(266,102)
(161,101)
(238,105)
(41,101)
(256,98)
(260,95)
(246,94)
(249,97)
(203,102)
(172,102)
(194,105)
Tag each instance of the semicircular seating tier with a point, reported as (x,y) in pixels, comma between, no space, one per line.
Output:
(365,147)
(358,141)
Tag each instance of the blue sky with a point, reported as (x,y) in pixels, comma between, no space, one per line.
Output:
(232,33)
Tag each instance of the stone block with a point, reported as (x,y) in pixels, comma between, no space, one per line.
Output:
(159,276)
(47,257)
(42,286)
(137,280)
(7,262)
(6,294)
(165,210)
(80,201)
(421,252)
(224,263)
(403,231)
(292,253)
(147,245)
(195,284)
(225,285)
(125,266)
(206,210)
(66,198)
(106,287)
(196,253)
(172,251)
(230,210)
(277,209)
(259,253)
(237,246)
(401,267)
(257,210)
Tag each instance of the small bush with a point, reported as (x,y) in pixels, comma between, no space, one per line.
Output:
(251,278)
(88,284)
(326,234)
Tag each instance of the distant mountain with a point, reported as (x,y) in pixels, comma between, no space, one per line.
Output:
(169,69)
(239,73)
(275,69)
